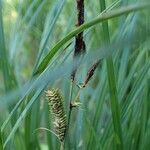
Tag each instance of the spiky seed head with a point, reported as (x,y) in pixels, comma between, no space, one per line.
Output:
(57,110)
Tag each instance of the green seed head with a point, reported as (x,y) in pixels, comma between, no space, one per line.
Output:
(57,110)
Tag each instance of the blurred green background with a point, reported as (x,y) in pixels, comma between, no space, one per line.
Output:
(114,111)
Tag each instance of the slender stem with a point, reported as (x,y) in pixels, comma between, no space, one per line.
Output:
(3,55)
(79,41)
(1,142)
(79,49)
(62,146)
(114,104)
(69,116)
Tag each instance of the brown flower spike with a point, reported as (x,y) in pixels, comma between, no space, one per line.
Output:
(80,47)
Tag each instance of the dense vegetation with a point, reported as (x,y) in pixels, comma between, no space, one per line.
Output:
(74,74)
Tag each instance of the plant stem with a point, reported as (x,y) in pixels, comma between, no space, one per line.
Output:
(114,104)
(62,146)
(1,142)
(112,87)
(3,54)
(79,41)
(79,49)
(69,116)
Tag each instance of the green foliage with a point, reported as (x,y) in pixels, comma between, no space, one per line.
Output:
(36,54)
(1,143)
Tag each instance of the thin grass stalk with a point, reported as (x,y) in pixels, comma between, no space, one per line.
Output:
(48,136)
(114,105)
(3,56)
(27,126)
(115,110)
(79,50)
(22,115)
(144,115)
(1,142)
(80,47)
(43,46)
(62,146)
(67,139)
(9,78)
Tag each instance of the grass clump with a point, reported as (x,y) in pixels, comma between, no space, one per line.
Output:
(106,52)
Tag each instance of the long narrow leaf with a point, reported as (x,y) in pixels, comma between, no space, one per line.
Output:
(103,17)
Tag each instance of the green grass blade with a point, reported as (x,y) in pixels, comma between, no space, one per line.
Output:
(18,104)
(99,19)
(29,30)
(112,88)
(1,143)
(4,64)
(48,29)
(114,104)
(23,114)
(131,98)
